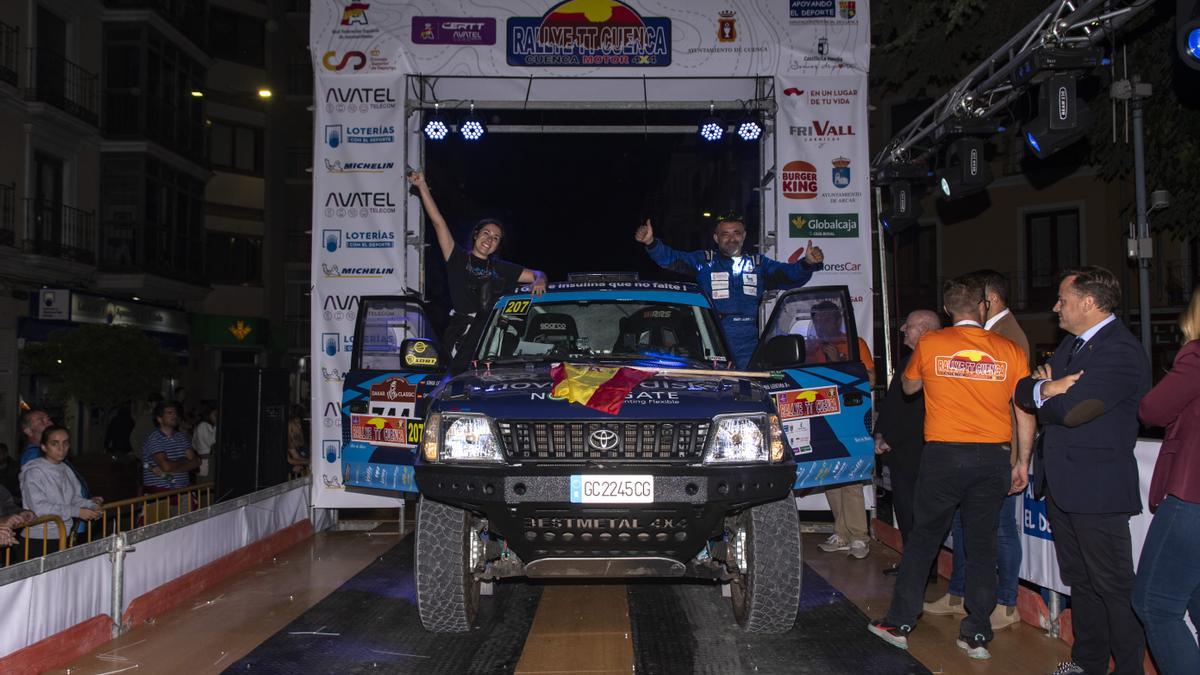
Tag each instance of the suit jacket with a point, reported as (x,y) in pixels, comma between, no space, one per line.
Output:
(901,421)
(1174,403)
(1086,459)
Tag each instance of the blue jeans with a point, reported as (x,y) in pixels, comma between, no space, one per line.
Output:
(1168,584)
(1008,555)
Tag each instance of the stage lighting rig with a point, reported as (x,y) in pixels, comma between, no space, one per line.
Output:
(472,128)
(1187,31)
(749,128)
(1062,119)
(1048,61)
(966,169)
(904,183)
(435,128)
(711,128)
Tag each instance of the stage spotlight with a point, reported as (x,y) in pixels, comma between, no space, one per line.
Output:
(966,169)
(472,128)
(904,206)
(711,130)
(1061,119)
(1187,29)
(749,129)
(435,128)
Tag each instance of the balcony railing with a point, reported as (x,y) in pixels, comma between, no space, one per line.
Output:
(58,230)
(152,249)
(63,84)
(10,37)
(187,16)
(8,214)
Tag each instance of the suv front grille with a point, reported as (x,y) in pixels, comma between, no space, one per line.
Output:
(652,441)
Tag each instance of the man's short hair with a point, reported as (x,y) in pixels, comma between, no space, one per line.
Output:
(161,408)
(1097,282)
(825,306)
(729,217)
(993,282)
(23,420)
(961,295)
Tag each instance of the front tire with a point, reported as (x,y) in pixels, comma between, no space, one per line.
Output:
(447,590)
(765,590)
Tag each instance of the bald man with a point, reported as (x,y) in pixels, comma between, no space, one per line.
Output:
(900,428)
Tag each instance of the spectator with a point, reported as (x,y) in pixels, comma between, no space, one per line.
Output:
(120,427)
(50,487)
(1168,576)
(32,422)
(12,517)
(1086,468)
(1008,537)
(297,448)
(900,428)
(167,456)
(143,421)
(204,437)
(9,471)
(969,375)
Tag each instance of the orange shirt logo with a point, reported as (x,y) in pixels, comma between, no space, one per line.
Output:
(971,364)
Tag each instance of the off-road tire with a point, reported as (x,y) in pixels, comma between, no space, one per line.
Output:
(766,596)
(447,591)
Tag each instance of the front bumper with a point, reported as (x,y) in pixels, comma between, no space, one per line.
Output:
(530,507)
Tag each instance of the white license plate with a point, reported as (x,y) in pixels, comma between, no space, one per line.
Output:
(612,489)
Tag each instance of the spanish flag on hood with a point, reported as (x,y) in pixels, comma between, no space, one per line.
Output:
(602,388)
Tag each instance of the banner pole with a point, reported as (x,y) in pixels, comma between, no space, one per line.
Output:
(883,291)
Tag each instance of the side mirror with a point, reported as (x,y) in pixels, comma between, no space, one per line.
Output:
(781,351)
(420,354)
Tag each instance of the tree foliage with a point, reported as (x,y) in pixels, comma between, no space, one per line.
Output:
(923,49)
(100,365)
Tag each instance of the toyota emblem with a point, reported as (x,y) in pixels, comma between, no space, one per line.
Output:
(603,439)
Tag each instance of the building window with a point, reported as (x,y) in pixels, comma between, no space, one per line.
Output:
(1051,246)
(234,259)
(236,37)
(235,147)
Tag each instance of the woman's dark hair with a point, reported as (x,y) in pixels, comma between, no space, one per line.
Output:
(483,223)
(51,429)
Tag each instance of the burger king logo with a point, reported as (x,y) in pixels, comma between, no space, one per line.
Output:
(799,180)
(971,364)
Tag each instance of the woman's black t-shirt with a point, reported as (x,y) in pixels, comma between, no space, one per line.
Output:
(474,281)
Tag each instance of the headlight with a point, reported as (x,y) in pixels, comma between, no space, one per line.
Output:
(744,438)
(468,438)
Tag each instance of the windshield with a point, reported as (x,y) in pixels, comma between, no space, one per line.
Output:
(618,329)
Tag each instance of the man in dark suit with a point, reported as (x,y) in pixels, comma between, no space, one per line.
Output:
(900,428)
(1086,468)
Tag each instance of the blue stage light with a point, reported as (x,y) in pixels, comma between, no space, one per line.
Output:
(749,129)
(712,130)
(1193,44)
(1033,142)
(472,130)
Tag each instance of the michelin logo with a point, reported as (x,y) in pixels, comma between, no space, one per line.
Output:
(358,167)
(338,272)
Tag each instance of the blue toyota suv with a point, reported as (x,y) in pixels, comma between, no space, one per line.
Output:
(599,430)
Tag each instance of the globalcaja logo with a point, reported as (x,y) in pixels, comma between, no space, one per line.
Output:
(331,450)
(441,30)
(338,166)
(799,180)
(358,204)
(823,225)
(355,60)
(359,99)
(333,239)
(589,33)
(841,173)
(341,272)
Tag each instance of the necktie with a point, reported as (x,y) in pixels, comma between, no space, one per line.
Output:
(1075,347)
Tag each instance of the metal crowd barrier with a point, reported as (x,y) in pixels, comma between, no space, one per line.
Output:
(122,516)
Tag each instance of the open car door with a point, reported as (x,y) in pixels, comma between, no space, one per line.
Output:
(397,361)
(824,400)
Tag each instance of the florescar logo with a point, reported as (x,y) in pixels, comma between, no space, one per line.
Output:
(589,33)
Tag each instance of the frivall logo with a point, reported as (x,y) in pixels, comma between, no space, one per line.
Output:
(358,204)
(822,131)
(359,99)
(337,166)
(341,272)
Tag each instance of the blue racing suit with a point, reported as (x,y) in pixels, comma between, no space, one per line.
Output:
(735,286)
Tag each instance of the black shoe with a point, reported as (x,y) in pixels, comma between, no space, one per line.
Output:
(893,571)
(975,647)
(897,636)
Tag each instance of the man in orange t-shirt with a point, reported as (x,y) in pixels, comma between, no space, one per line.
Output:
(969,375)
